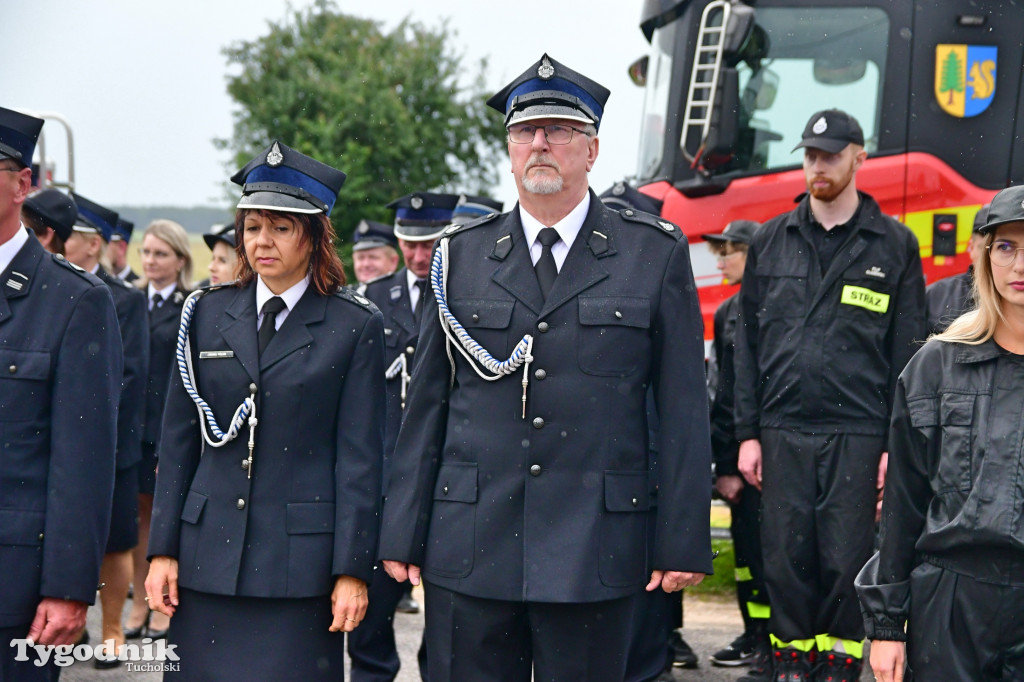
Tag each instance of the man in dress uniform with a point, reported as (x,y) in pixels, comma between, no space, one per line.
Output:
(520,487)
(419,220)
(61,354)
(374,251)
(117,250)
(831,309)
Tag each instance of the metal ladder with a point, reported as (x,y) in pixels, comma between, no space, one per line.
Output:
(707,62)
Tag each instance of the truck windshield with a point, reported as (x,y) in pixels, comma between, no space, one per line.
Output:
(656,97)
(808,59)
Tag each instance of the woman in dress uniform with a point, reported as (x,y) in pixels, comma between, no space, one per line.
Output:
(945,592)
(264,531)
(167,273)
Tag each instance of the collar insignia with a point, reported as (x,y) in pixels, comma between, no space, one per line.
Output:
(875,271)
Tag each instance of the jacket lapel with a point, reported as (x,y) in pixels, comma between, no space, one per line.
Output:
(515,274)
(239,331)
(294,333)
(16,280)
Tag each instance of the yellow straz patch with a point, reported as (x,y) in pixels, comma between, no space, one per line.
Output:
(865,298)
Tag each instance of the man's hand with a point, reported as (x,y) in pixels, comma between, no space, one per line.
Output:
(887,659)
(883,466)
(401,571)
(729,487)
(750,461)
(348,603)
(673,581)
(57,621)
(162,585)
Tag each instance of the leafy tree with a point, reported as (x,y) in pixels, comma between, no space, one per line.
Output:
(392,110)
(952,79)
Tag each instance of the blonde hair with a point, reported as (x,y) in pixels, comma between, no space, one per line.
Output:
(977,326)
(175,236)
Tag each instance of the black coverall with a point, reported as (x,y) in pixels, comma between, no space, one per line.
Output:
(829,319)
(951,560)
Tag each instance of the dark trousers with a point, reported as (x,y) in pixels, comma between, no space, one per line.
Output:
(818,529)
(746,541)
(964,629)
(23,671)
(469,638)
(653,621)
(371,646)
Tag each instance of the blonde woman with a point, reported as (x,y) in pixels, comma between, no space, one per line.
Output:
(167,272)
(945,592)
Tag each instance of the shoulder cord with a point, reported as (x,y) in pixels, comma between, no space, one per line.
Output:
(457,337)
(206,419)
(400,367)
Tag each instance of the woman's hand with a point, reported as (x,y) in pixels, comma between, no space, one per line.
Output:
(162,585)
(348,603)
(887,660)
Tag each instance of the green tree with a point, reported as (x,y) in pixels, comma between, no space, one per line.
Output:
(396,111)
(952,79)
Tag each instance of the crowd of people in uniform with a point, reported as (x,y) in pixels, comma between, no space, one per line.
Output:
(520,419)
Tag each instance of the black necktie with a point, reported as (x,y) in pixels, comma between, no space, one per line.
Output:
(421,284)
(157,301)
(547,271)
(269,327)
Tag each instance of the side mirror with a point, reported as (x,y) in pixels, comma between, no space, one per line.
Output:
(723,135)
(638,71)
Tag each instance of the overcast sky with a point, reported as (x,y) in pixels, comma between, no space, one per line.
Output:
(143,84)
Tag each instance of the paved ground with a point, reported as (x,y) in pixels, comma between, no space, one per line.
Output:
(710,624)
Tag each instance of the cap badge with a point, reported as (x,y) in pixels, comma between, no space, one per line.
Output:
(416,202)
(545,70)
(619,189)
(1022,204)
(274,156)
(364,228)
(820,126)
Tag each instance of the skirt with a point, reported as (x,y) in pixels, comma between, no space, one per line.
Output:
(220,638)
(124,516)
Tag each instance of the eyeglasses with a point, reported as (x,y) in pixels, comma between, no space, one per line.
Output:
(11,170)
(556,133)
(726,256)
(1003,253)
(153,253)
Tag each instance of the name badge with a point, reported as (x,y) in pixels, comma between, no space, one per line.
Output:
(215,354)
(865,298)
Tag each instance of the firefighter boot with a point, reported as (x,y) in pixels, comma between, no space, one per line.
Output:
(792,665)
(761,664)
(835,666)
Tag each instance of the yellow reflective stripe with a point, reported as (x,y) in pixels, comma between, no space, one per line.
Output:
(743,574)
(759,611)
(865,298)
(804,645)
(846,646)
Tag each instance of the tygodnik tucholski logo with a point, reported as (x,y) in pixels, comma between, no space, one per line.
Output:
(148,657)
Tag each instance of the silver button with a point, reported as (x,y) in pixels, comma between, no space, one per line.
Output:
(240,504)
(618,315)
(535,470)
(245,463)
(252,388)
(538,422)
(40,536)
(445,490)
(410,350)
(12,369)
(628,211)
(540,375)
(543,327)
(476,318)
(635,502)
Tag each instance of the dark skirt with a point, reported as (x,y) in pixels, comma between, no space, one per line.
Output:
(252,638)
(124,515)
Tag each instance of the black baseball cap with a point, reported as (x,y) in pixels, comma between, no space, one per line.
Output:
(831,130)
(980,218)
(739,231)
(1007,207)
(220,233)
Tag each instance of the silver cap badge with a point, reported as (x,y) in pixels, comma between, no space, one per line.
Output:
(274,156)
(545,70)
(416,202)
(820,126)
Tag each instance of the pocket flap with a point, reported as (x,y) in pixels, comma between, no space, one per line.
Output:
(21,527)
(33,365)
(310,517)
(923,412)
(626,311)
(627,491)
(482,313)
(193,508)
(957,410)
(456,482)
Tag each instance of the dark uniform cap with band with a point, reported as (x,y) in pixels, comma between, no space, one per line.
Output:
(739,231)
(220,233)
(18,135)
(831,130)
(56,209)
(1007,207)
(470,208)
(282,179)
(94,218)
(422,216)
(549,89)
(123,230)
(980,218)
(622,195)
(370,234)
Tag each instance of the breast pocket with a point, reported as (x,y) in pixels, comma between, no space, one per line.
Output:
(956,420)
(784,290)
(614,334)
(486,321)
(24,393)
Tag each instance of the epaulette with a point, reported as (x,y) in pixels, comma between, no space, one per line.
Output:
(376,279)
(663,226)
(61,260)
(482,220)
(218,285)
(126,285)
(356,299)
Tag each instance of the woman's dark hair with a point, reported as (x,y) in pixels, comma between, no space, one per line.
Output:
(326,273)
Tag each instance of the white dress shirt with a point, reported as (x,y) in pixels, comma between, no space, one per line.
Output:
(567,228)
(414,292)
(10,248)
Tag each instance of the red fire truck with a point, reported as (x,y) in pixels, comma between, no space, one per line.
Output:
(935,84)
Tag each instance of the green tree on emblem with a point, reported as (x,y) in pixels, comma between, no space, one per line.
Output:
(952,75)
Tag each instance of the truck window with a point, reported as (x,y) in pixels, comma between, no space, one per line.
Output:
(656,94)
